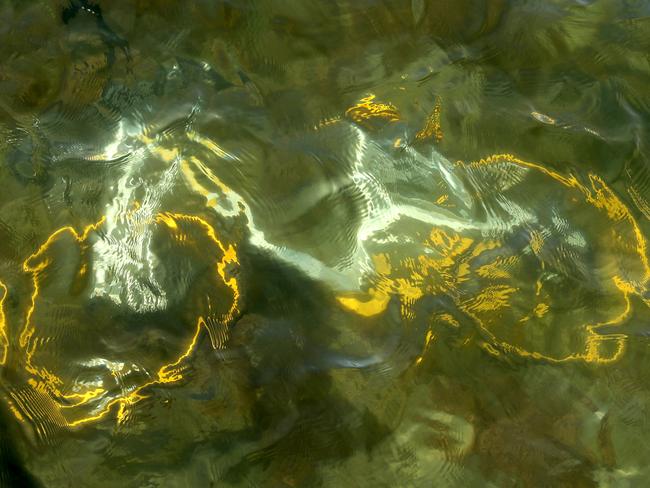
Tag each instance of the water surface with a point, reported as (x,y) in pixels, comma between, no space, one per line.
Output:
(324,243)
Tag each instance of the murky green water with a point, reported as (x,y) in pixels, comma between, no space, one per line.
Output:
(351,243)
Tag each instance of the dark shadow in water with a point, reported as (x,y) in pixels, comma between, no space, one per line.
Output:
(12,470)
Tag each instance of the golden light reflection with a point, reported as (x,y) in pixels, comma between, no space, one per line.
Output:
(450,262)
(597,193)
(432,127)
(368,109)
(48,402)
(375,304)
(449,266)
(4,338)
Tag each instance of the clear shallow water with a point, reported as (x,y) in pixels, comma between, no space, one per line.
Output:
(324,243)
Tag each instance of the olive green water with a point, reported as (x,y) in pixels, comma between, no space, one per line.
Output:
(351,243)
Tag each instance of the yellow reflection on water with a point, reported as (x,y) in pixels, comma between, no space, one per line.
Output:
(432,127)
(368,109)
(4,339)
(449,263)
(44,402)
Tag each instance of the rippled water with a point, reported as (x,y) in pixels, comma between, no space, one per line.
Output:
(382,243)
